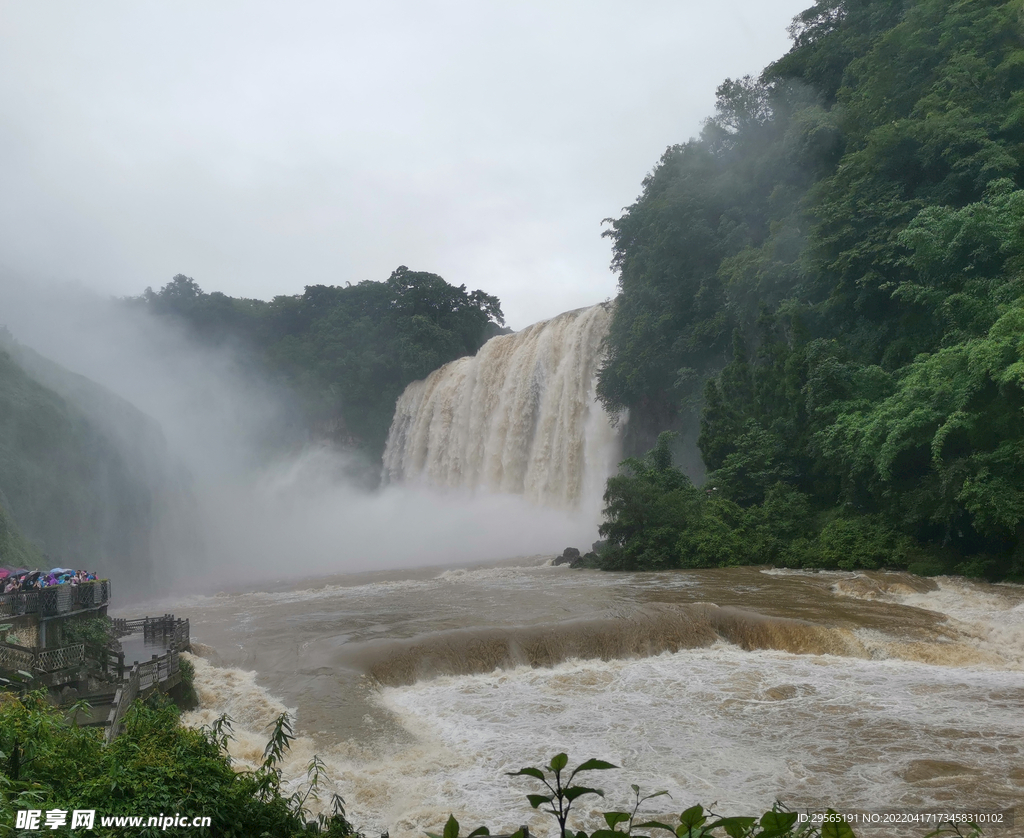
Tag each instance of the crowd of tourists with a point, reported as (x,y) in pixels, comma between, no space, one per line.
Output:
(20,580)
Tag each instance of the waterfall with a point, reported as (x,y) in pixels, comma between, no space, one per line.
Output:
(518,417)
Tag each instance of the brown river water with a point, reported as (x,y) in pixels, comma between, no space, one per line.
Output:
(735,687)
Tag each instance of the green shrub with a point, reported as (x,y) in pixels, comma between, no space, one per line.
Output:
(156,766)
(95,632)
(187,696)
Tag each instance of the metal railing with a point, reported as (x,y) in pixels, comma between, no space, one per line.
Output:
(91,594)
(18,603)
(54,600)
(57,599)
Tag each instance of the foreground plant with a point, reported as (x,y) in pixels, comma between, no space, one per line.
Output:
(562,795)
(695,822)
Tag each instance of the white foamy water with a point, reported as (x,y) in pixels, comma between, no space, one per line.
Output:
(724,725)
(992,614)
(918,711)
(520,417)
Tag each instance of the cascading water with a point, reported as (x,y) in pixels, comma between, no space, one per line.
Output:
(422,689)
(519,417)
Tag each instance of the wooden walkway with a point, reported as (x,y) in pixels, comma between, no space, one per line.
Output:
(159,674)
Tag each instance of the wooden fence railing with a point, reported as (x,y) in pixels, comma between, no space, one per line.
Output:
(123,699)
(14,657)
(50,660)
(175,631)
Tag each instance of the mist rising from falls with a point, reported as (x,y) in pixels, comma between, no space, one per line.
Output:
(519,417)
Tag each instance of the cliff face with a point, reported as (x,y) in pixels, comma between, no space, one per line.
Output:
(85,477)
(15,549)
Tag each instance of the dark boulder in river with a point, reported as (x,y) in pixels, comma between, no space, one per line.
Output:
(585,561)
(569,555)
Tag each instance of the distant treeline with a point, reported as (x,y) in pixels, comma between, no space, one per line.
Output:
(828,281)
(346,352)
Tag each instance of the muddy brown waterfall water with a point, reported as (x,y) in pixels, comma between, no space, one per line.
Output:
(519,417)
(736,687)
(739,685)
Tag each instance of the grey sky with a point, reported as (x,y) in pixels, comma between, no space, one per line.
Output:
(261,147)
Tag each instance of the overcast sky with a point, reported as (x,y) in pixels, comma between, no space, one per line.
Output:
(261,147)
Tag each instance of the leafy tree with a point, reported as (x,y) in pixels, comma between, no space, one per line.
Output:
(347,352)
(854,219)
(646,508)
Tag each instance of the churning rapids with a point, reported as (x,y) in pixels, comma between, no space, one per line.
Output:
(736,686)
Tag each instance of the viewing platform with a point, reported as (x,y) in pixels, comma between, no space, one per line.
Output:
(30,614)
(34,626)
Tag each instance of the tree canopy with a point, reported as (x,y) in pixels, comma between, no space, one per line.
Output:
(347,352)
(828,281)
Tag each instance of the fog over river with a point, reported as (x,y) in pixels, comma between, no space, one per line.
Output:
(421,688)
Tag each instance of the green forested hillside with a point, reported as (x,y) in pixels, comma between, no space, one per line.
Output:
(347,352)
(15,549)
(83,476)
(828,281)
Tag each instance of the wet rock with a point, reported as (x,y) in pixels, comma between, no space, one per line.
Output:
(569,555)
(584,561)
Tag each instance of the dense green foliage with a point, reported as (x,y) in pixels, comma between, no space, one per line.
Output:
(155,767)
(829,282)
(82,474)
(348,352)
(186,696)
(95,632)
(15,549)
(657,519)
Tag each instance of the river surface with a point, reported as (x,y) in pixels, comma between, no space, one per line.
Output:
(736,687)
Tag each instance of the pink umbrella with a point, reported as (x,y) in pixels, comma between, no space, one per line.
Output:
(4,573)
